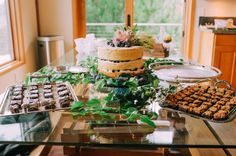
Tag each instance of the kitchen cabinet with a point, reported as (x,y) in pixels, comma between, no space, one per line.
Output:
(224,57)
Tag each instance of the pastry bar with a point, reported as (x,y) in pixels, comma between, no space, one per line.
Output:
(39,97)
(204,100)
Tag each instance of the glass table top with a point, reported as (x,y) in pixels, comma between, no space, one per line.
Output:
(60,128)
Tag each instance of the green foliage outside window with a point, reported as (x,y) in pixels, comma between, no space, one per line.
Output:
(145,12)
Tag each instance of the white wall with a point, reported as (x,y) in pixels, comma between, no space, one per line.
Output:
(220,8)
(29,23)
(55,18)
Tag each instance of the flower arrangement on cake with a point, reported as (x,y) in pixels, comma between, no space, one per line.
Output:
(124,53)
(131,36)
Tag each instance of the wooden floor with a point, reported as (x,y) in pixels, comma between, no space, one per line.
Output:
(58,151)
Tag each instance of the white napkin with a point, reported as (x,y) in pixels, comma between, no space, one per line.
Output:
(88,46)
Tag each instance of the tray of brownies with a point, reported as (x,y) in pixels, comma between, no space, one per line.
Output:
(38,97)
(206,102)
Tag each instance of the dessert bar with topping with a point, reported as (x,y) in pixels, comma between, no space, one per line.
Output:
(38,97)
(204,101)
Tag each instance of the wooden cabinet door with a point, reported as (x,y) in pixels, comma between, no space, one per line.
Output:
(225,60)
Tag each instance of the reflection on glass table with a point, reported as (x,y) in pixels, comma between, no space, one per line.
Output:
(25,128)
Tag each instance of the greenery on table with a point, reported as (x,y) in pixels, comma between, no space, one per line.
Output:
(128,94)
(57,77)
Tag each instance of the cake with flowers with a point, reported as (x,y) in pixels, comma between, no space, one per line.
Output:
(123,55)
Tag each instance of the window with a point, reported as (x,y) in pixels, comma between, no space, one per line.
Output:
(103,15)
(160,18)
(6,54)
(11,36)
(155,17)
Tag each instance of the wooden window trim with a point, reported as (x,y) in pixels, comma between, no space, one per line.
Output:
(129,11)
(189,28)
(2,64)
(17,38)
(79,18)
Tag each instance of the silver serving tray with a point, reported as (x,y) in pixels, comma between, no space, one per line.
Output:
(232,113)
(186,73)
(5,104)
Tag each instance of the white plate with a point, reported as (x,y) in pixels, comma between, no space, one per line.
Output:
(184,73)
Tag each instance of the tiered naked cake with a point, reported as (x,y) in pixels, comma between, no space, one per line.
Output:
(114,61)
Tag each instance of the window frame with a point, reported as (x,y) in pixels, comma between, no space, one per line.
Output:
(16,38)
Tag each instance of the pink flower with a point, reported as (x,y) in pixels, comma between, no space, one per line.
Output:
(114,41)
(128,34)
(121,35)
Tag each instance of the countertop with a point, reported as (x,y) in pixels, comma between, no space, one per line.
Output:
(218,31)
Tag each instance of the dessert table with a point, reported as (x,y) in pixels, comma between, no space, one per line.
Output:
(173,130)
